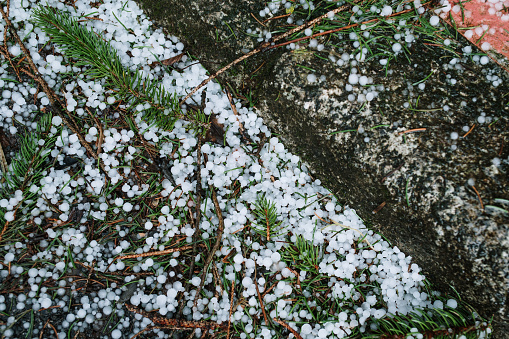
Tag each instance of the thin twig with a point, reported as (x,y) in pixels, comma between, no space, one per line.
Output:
(257,20)
(42,331)
(337,29)
(89,274)
(54,330)
(149,254)
(231,310)
(191,335)
(219,236)
(100,140)
(3,161)
(376,210)
(391,172)
(285,325)
(277,17)
(236,113)
(413,130)
(146,329)
(255,280)
(364,237)
(198,205)
(479,197)
(264,46)
(176,323)
(470,130)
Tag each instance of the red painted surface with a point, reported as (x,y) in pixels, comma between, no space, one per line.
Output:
(488,17)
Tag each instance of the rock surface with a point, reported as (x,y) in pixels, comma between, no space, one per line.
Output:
(436,200)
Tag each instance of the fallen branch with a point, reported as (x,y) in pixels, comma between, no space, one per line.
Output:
(176,324)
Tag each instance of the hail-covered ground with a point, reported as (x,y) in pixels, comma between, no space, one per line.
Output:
(94,241)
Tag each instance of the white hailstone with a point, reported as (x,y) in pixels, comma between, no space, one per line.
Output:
(311,78)
(267,262)
(81,313)
(386,11)
(9,257)
(238,259)
(9,216)
(64,207)
(45,302)
(148,225)
(247,282)
(15,50)
(128,207)
(107,310)
(353,79)
(452,303)
(56,120)
(275,257)
(438,304)
(434,20)
(396,47)
(454,135)
(116,334)
(306,329)
(308,32)
(161,300)
(485,46)
(196,281)
(363,80)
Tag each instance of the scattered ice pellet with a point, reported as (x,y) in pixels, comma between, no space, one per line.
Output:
(56,120)
(434,20)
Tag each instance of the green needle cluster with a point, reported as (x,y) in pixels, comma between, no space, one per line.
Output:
(101,62)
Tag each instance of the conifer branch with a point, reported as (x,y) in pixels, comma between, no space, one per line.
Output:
(101,61)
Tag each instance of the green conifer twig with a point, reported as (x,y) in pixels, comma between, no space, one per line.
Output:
(102,62)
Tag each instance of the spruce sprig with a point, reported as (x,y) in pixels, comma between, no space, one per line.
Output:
(31,160)
(101,61)
(433,323)
(266,221)
(27,169)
